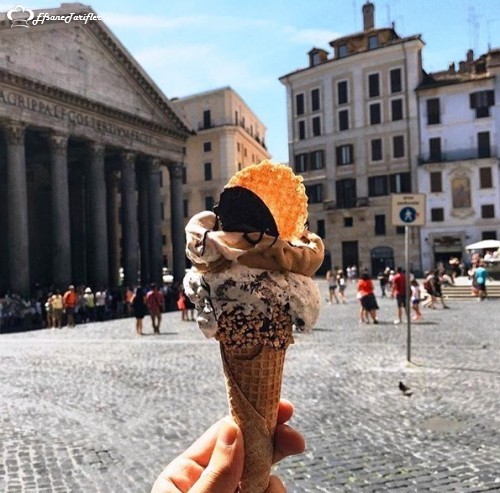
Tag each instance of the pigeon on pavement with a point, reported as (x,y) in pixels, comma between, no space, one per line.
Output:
(405,389)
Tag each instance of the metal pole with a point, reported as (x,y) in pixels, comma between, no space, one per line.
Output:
(407,294)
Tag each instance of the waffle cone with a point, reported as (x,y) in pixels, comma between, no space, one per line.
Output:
(253,384)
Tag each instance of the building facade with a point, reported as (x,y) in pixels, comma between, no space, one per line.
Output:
(353,135)
(459,161)
(229,137)
(367,122)
(84,135)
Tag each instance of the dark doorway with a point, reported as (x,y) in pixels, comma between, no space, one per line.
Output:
(444,257)
(350,254)
(381,257)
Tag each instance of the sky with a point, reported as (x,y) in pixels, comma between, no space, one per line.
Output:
(192,46)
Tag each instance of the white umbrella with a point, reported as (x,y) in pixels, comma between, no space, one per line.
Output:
(491,244)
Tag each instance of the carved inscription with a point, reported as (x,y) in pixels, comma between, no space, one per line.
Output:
(72,117)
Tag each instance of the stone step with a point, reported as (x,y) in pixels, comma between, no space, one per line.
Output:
(464,292)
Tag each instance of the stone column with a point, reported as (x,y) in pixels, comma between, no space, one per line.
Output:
(155,222)
(143,211)
(130,235)
(17,210)
(112,217)
(98,230)
(61,226)
(177,220)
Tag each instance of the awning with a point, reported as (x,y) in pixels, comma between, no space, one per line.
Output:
(484,244)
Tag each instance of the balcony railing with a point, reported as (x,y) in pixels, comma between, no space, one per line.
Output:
(458,155)
(256,137)
(362,202)
(331,205)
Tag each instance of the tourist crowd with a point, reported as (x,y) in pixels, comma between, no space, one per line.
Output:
(76,305)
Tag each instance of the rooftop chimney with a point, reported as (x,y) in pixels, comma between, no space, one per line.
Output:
(368,16)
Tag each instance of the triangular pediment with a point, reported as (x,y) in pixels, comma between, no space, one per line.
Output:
(85,59)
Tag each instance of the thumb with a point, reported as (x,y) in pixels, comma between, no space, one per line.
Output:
(225,468)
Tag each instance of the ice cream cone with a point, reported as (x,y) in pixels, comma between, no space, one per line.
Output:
(253,384)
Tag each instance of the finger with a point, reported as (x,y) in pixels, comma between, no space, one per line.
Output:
(275,485)
(201,450)
(287,441)
(178,476)
(185,469)
(223,472)
(285,411)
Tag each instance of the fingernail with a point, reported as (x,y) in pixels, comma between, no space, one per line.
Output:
(228,434)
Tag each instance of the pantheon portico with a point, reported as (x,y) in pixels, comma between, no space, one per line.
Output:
(84,134)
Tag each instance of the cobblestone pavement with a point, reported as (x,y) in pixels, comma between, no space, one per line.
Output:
(97,409)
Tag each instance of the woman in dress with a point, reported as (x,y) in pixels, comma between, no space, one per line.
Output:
(367,297)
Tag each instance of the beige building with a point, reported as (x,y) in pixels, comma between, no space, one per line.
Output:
(229,136)
(353,135)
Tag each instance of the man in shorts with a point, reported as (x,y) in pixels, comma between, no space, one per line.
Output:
(479,281)
(399,291)
(69,302)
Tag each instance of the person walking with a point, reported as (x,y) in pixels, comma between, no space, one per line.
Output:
(415,299)
(139,308)
(399,292)
(479,281)
(128,297)
(367,298)
(437,282)
(100,304)
(89,298)
(182,305)
(49,312)
(383,278)
(430,299)
(156,305)
(56,301)
(81,308)
(342,285)
(331,279)
(69,302)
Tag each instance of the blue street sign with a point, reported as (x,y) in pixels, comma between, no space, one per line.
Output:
(408,209)
(408,215)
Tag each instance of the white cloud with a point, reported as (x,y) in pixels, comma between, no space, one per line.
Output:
(313,37)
